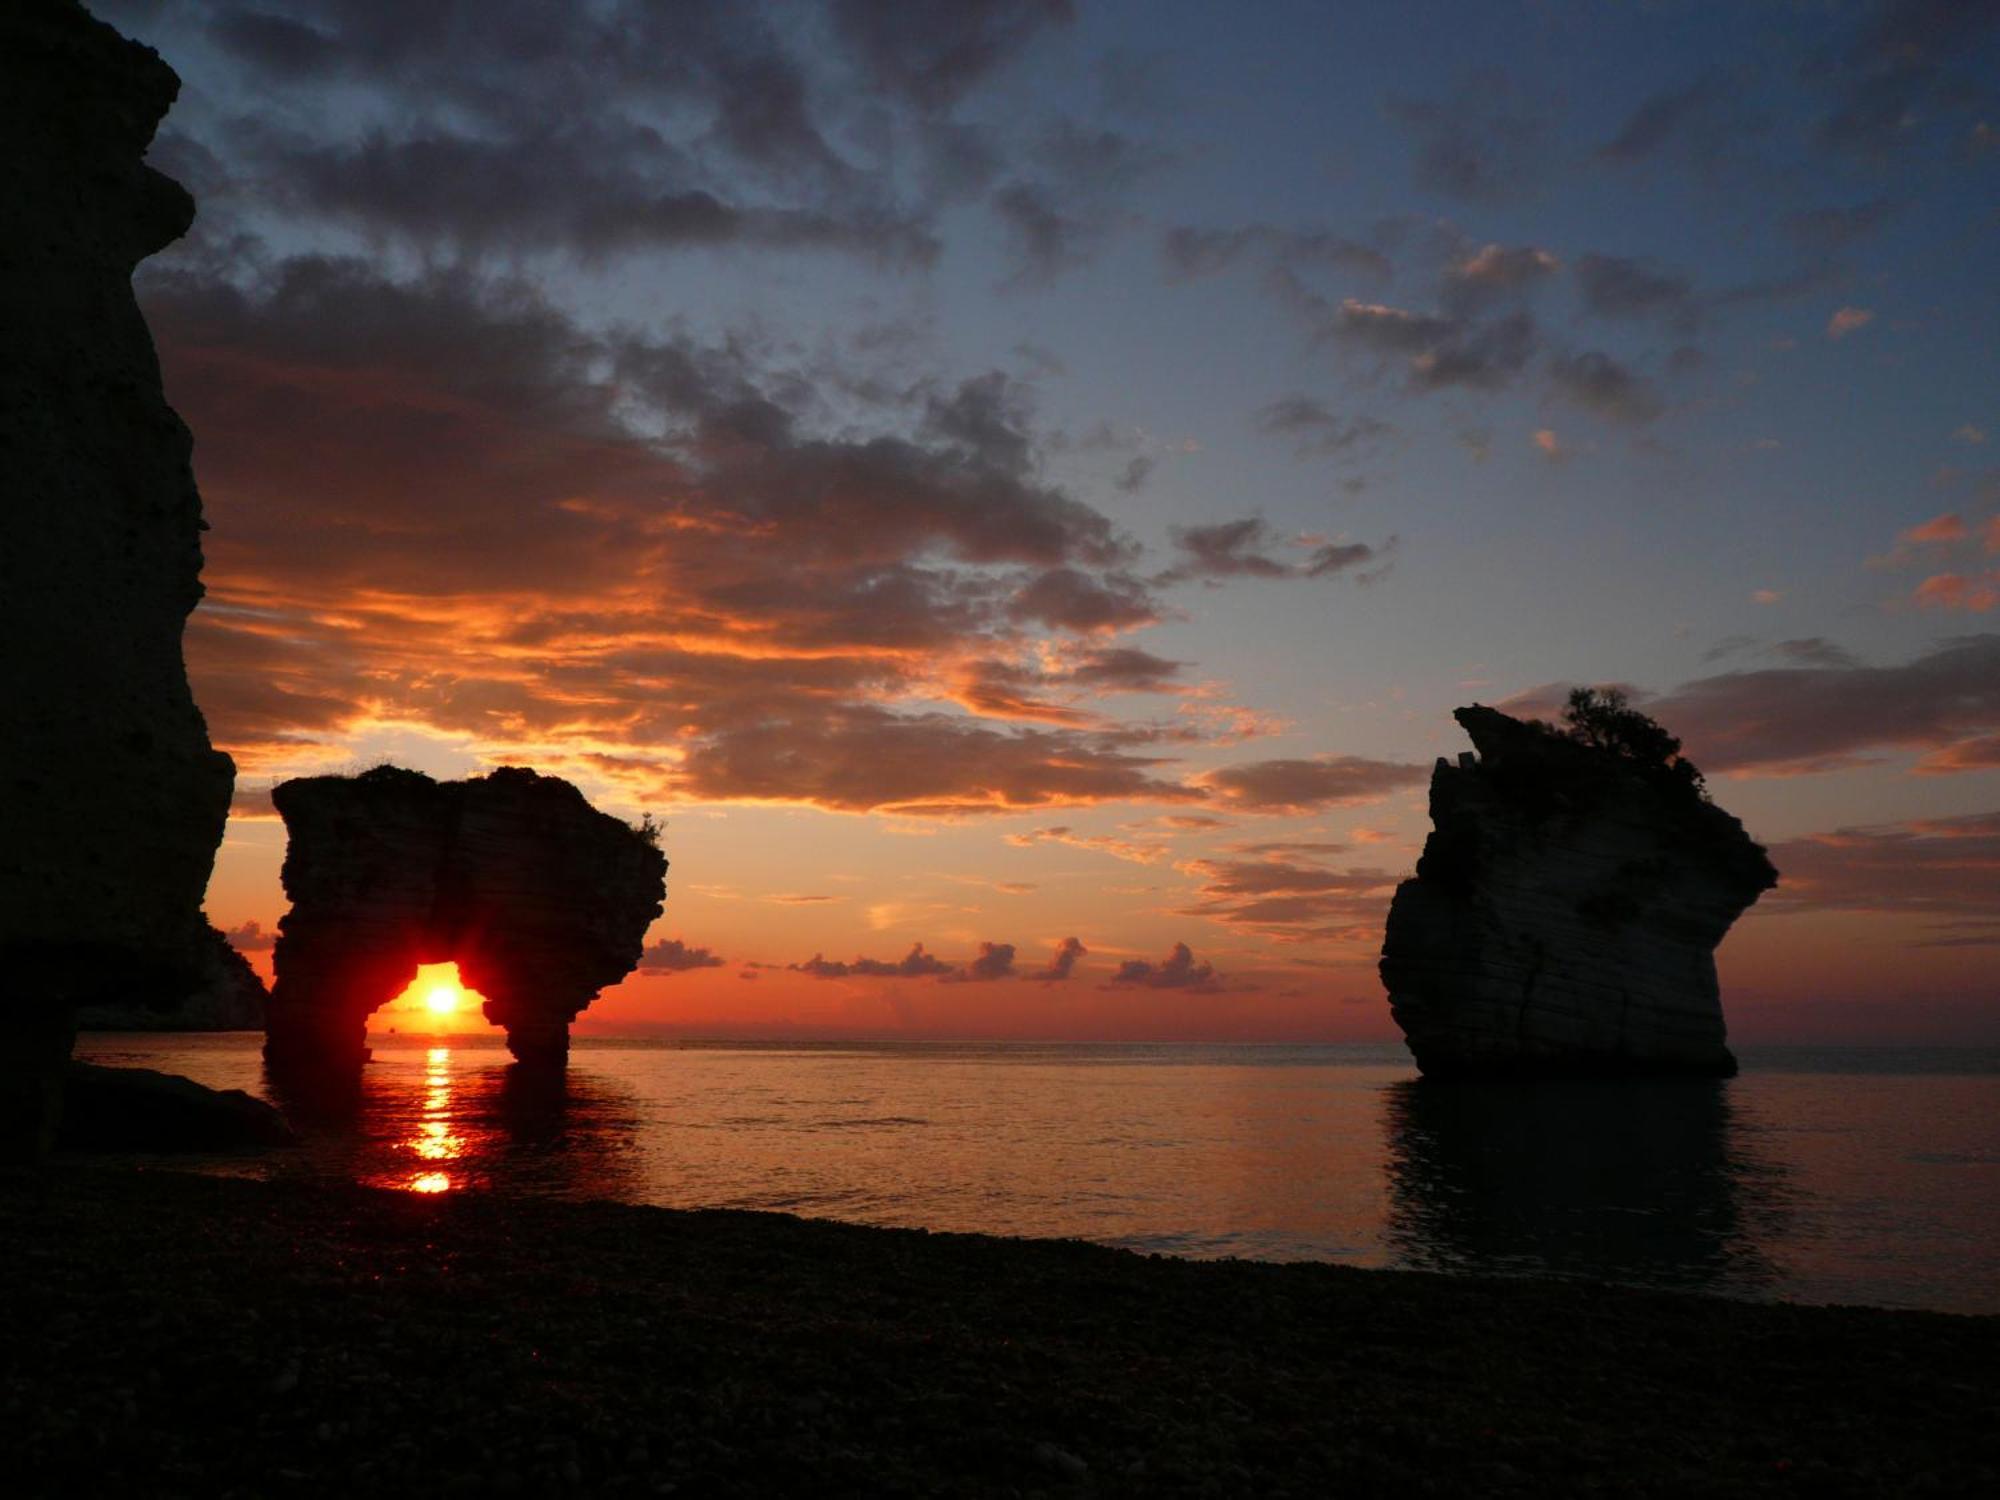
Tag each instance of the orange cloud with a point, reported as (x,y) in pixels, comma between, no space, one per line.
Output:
(1847,320)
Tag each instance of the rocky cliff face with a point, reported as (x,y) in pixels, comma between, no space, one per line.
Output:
(539,898)
(113,798)
(227,995)
(1565,913)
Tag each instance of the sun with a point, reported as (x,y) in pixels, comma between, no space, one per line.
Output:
(439,995)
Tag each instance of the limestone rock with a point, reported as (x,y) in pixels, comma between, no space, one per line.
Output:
(113,799)
(138,1109)
(539,898)
(1565,913)
(227,995)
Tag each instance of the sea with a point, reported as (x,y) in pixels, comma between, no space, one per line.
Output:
(1819,1175)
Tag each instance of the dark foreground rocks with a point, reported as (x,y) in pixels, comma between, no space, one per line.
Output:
(170,1335)
(139,1109)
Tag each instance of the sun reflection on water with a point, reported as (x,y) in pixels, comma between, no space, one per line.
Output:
(436,1139)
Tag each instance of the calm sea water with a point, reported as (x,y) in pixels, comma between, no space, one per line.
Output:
(1821,1176)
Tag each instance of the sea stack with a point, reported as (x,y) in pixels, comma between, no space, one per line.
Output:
(113,798)
(540,899)
(1565,912)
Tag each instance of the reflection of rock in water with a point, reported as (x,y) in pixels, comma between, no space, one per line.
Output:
(1648,1181)
(462,1119)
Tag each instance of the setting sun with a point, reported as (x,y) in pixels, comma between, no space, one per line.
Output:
(440,997)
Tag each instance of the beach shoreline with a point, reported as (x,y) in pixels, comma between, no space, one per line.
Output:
(173,1333)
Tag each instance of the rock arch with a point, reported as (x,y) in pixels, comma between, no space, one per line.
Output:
(540,899)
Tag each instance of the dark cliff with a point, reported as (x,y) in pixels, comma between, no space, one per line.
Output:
(539,898)
(113,798)
(1565,912)
(226,995)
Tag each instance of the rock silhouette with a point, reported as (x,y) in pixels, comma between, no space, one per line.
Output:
(540,899)
(114,798)
(1565,912)
(227,995)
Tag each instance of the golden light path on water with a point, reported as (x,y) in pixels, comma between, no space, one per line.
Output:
(436,1141)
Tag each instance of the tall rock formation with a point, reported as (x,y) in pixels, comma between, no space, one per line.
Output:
(540,899)
(111,797)
(226,995)
(1565,912)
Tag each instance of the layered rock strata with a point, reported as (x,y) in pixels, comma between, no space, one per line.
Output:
(1565,913)
(113,799)
(540,899)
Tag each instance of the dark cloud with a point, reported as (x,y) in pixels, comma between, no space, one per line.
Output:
(1599,383)
(994,961)
(1062,962)
(1303,785)
(932,55)
(672,956)
(1815,651)
(1292,902)
(1177,971)
(1800,719)
(1614,287)
(1313,429)
(1666,118)
(250,937)
(1914,71)
(1484,144)
(916,964)
(1240,549)
(1125,670)
(1943,869)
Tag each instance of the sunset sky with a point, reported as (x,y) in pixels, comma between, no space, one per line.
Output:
(1000,473)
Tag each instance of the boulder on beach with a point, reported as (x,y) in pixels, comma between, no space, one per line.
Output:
(540,899)
(138,1109)
(1566,909)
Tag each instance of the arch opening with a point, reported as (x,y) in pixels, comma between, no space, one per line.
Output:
(436,1002)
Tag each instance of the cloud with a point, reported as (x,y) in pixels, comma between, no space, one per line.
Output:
(1599,383)
(934,55)
(250,937)
(1494,273)
(916,964)
(442,501)
(1797,719)
(672,956)
(1848,320)
(1302,785)
(1941,868)
(1975,593)
(1126,849)
(1614,287)
(1062,963)
(1550,446)
(1484,143)
(1313,429)
(1677,116)
(994,961)
(1914,72)
(1292,902)
(1177,971)
(1240,549)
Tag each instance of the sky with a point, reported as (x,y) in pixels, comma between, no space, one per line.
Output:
(1017,486)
